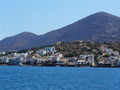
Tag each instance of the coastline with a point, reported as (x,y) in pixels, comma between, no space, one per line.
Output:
(78,66)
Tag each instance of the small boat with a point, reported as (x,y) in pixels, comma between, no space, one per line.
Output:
(21,64)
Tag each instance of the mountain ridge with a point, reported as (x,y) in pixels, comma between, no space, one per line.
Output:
(100,26)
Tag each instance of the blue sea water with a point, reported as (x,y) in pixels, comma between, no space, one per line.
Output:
(58,78)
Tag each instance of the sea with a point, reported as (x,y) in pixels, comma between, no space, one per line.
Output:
(58,78)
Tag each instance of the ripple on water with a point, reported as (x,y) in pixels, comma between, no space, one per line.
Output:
(58,78)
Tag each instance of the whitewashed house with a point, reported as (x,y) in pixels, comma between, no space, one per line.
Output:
(58,56)
(2,53)
(81,61)
(4,60)
(14,61)
(116,53)
(41,52)
(30,61)
(50,50)
(87,58)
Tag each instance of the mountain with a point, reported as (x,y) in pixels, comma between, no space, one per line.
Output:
(100,26)
(20,41)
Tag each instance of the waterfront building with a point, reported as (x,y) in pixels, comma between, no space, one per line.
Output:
(42,52)
(88,58)
(58,56)
(14,61)
(4,60)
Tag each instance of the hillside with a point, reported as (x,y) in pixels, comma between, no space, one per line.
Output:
(98,27)
(20,41)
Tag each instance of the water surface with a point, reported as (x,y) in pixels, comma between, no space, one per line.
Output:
(58,78)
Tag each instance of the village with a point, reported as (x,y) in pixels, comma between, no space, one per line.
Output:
(49,56)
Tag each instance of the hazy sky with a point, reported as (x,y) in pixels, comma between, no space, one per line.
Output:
(41,16)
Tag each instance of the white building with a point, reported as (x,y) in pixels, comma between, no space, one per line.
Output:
(2,53)
(42,52)
(14,61)
(58,56)
(116,53)
(50,49)
(88,58)
(4,60)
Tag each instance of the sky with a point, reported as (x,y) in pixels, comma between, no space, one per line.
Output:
(42,16)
